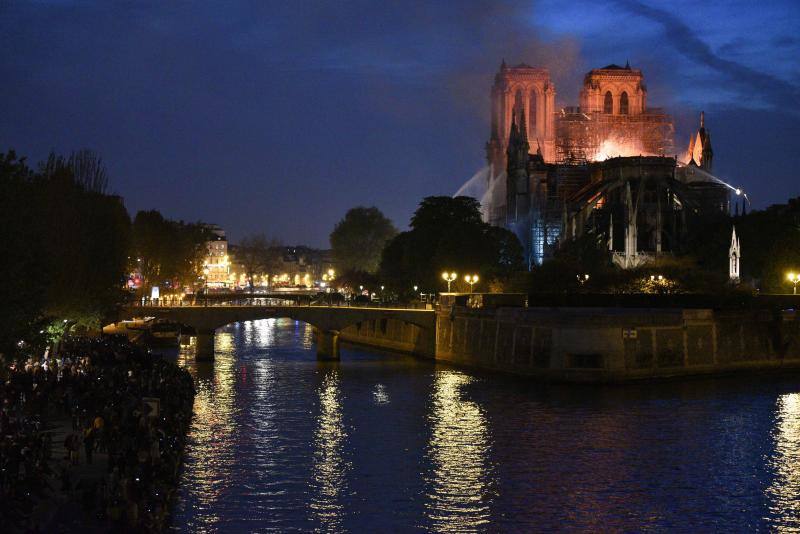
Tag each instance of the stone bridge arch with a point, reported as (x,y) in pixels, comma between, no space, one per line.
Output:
(327,321)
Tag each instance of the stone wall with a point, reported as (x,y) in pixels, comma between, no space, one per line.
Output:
(595,344)
(614,344)
(391,334)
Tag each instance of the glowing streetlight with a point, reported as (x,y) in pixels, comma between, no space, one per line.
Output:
(794,278)
(471,279)
(582,279)
(449,278)
(330,274)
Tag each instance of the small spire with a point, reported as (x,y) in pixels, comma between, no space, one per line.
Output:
(702,119)
(503,64)
(627,64)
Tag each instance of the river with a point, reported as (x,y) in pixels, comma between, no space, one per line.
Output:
(382,442)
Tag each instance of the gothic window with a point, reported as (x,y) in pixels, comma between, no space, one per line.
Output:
(623,103)
(608,103)
(532,113)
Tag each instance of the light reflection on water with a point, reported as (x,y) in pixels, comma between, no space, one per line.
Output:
(459,484)
(785,489)
(381,442)
(329,482)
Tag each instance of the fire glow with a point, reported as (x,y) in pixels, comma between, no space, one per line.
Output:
(612,148)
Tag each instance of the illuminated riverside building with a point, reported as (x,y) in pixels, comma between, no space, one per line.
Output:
(216,265)
(293,267)
(606,168)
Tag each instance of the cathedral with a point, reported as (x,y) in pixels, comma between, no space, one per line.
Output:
(606,168)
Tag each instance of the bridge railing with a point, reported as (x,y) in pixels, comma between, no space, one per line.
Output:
(169,302)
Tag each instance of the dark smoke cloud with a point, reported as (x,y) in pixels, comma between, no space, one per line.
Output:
(754,85)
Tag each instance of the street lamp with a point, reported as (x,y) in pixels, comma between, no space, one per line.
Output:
(449,278)
(582,279)
(471,279)
(794,278)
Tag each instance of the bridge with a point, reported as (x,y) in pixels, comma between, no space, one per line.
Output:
(327,321)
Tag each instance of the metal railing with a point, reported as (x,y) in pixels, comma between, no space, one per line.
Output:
(168,302)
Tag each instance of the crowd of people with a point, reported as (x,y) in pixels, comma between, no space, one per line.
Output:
(119,404)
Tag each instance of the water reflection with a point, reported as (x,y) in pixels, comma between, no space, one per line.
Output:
(212,429)
(330,468)
(460,485)
(785,488)
(281,442)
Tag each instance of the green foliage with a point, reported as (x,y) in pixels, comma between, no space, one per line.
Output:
(358,239)
(66,244)
(449,234)
(771,245)
(167,251)
(566,273)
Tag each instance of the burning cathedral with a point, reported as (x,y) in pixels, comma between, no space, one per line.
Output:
(606,168)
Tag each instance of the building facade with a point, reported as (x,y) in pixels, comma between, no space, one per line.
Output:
(216,265)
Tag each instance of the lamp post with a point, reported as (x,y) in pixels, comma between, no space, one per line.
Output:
(471,279)
(794,278)
(449,278)
(582,279)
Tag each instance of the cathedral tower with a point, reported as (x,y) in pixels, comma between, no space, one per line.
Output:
(526,94)
(614,90)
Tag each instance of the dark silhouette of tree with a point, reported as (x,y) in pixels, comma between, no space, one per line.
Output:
(67,244)
(257,255)
(167,251)
(448,234)
(358,239)
(85,166)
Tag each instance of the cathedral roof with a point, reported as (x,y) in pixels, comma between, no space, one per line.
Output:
(614,66)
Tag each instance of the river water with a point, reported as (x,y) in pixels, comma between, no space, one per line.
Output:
(381,442)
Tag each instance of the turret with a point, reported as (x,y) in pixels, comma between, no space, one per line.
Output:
(700,152)
(734,257)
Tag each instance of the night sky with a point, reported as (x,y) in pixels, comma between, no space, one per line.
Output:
(277,117)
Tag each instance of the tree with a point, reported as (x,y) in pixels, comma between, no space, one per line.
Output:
(167,251)
(257,254)
(66,243)
(448,234)
(358,239)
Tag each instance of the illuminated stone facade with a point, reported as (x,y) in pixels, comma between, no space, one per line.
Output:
(216,266)
(612,120)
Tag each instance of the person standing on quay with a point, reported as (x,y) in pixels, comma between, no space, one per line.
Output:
(88,442)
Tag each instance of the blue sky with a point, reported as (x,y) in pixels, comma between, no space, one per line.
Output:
(277,117)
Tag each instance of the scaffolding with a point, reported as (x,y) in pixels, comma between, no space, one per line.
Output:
(581,136)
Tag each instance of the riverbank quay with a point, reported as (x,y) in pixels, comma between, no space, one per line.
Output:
(92,440)
(620,342)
